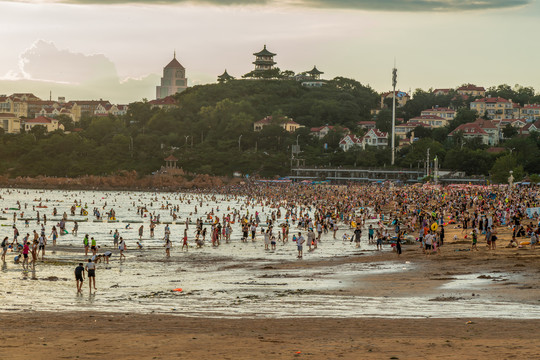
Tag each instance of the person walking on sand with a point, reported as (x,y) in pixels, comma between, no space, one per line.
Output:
(141,229)
(398,244)
(122,247)
(379,240)
(42,242)
(75,228)
(184,241)
(168,245)
(4,248)
(79,277)
(534,239)
(93,246)
(299,244)
(474,239)
(86,244)
(26,250)
(54,234)
(310,239)
(34,251)
(357,235)
(91,270)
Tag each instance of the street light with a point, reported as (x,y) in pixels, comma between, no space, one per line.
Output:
(239,139)
(186,137)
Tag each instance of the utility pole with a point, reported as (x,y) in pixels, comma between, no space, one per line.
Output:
(427,163)
(394,82)
(436,170)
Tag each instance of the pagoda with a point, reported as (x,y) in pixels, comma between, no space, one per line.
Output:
(315,74)
(264,60)
(224,77)
(173,80)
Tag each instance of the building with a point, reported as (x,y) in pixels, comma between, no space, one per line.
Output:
(368,125)
(529,128)
(495,108)
(517,123)
(110,109)
(375,137)
(433,121)
(471,90)
(10,123)
(53,112)
(79,108)
(35,108)
(531,112)
(224,77)
(350,141)
(404,129)
(173,81)
(322,131)
(312,78)
(264,60)
(286,123)
(441,91)
(401,98)
(49,124)
(483,129)
(166,103)
(442,112)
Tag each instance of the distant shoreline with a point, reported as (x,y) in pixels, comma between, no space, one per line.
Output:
(125,181)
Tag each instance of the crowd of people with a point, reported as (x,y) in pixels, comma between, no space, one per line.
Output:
(306,215)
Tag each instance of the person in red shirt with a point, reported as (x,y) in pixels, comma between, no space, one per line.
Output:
(26,250)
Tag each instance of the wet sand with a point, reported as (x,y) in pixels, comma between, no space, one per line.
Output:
(97,335)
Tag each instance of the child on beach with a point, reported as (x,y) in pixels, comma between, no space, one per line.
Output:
(474,240)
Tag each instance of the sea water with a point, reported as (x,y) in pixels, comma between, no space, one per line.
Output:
(233,280)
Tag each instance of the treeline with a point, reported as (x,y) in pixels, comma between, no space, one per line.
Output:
(211,132)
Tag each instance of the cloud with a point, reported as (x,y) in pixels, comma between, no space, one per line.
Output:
(45,62)
(378,5)
(43,68)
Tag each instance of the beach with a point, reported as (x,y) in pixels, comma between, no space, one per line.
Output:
(497,282)
(87,335)
(239,301)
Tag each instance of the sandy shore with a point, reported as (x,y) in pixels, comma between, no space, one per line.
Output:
(99,336)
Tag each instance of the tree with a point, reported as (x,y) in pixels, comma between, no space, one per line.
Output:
(463,116)
(509,131)
(502,167)
(384,120)
(39,131)
(66,121)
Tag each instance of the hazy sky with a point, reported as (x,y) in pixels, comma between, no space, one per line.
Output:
(117,49)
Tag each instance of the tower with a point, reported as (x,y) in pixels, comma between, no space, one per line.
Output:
(225,77)
(173,80)
(315,73)
(264,60)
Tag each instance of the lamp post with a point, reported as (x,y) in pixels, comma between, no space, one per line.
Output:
(394,82)
(186,137)
(239,139)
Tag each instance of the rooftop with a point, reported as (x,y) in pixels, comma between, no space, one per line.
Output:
(264,52)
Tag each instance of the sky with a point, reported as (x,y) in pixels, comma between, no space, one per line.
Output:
(116,50)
